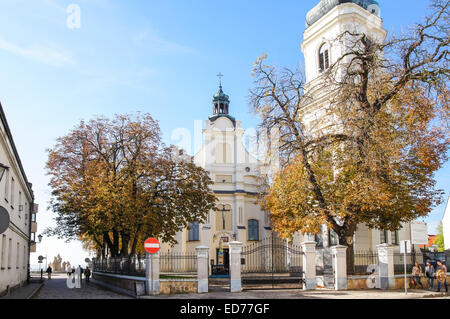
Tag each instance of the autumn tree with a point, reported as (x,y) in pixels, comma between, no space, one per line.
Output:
(362,144)
(439,241)
(114,184)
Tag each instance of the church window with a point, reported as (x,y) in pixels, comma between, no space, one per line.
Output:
(383,237)
(253,230)
(333,237)
(394,238)
(194,231)
(324,58)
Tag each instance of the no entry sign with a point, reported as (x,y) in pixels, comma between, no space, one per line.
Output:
(151,245)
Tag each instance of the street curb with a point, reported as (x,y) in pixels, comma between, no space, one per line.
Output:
(113,288)
(437,295)
(35,292)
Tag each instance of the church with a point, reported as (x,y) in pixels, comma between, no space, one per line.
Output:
(236,173)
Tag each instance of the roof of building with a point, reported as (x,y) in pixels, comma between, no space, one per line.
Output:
(16,154)
(325,6)
(220,96)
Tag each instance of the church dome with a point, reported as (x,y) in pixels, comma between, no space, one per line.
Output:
(220,96)
(325,6)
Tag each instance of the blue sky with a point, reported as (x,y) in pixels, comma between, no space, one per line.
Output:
(160,57)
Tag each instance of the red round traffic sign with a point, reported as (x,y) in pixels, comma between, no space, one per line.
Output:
(152,245)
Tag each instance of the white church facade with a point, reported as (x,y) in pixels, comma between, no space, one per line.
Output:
(236,175)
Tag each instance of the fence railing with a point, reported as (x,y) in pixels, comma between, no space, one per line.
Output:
(178,263)
(272,255)
(169,264)
(363,260)
(131,266)
(411,259)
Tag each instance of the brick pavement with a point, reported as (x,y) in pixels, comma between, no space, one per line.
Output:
(56,288)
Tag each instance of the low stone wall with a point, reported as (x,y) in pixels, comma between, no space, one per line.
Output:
(127,284)
(177,286)
(360,282)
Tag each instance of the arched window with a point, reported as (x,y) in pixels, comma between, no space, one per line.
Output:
(253,230)
(194,231)
(324,57)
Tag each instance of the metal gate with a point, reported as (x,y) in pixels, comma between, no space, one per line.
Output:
(272,263)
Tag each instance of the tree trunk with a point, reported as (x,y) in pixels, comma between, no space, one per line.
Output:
(346,234)
(135,240)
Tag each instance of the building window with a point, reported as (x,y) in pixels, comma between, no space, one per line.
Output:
(253,230)
(12,192)
(2,262)
(9,253)
(194,231)
(7,185)
(394,238)
(383,237)
(319,240)
(324,58)
(18,256)
(334,238)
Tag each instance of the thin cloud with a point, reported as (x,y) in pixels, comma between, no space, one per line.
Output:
(152,41)
(39,53)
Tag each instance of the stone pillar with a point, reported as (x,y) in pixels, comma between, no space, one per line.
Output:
(340,267)
(202,269)
(309,265)
(152,274)
(235,266)
(386,266)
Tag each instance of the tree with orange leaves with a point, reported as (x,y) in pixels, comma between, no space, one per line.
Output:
(115,184)
(383,132)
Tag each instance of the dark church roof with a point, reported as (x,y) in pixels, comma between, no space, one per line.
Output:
(325,6)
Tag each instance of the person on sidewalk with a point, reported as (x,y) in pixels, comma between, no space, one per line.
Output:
(49,272)
(430,274)
(441,276)
(87,274)
(417,274)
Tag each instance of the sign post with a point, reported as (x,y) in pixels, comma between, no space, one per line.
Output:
(151,246)
(405,247)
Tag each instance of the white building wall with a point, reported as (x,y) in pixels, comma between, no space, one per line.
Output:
(446,225)
(17,200)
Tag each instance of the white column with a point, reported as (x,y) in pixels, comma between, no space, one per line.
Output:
(309,265)
(235,266)
(152,274)
(202,268)
(386,266)
(340,267)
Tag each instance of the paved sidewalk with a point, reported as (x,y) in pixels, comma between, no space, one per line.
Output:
(300,294)
(25,292)
(56,288)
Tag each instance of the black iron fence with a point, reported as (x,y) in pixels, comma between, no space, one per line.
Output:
(131,266)
(272,255)
(365,263)
(178,263)
(169,264)
(411,259)
(365,260)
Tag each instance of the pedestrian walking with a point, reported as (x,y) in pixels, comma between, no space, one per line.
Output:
(430,274)
(417,274)
(441,276)
(49,272)
(87,274)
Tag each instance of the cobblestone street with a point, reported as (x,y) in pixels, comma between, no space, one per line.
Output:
(56,288)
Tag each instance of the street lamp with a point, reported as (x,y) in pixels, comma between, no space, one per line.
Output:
(3,169)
